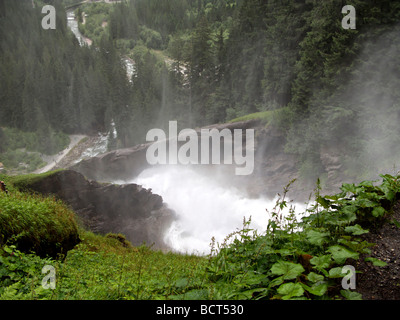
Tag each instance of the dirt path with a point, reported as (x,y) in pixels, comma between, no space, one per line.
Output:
(382,283)
(53,160)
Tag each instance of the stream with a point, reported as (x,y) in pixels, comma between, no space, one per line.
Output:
(73,25)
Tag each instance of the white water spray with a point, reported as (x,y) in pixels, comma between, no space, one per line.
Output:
(205,208)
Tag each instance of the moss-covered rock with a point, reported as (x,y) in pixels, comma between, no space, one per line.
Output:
(35,223)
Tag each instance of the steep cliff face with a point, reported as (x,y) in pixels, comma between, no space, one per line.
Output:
(129,209)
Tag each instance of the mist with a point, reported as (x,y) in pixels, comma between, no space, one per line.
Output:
(373,97)
(379,106)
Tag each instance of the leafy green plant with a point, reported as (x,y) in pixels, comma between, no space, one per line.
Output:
(21,275)
(304,259)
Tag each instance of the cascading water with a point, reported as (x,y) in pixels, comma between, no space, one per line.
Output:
(99,147)
(204,207)
(73,25)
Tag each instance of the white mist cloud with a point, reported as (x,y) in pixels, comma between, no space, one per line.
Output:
(373,93)
(205,207)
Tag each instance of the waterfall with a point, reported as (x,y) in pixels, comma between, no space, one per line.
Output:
(205,208)
(73,25)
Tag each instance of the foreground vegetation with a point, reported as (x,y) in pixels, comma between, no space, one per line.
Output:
(297,257)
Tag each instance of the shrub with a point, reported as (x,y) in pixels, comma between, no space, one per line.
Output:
(17,158)
(151,38)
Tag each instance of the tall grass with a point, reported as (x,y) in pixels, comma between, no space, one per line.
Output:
(40,224)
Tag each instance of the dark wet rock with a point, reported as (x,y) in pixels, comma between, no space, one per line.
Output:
(104,207)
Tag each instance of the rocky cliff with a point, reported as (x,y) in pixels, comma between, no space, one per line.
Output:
(128,209)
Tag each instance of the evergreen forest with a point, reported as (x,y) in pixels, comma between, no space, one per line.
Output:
(202,62)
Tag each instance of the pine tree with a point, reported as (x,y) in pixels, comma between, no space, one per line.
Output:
(44,133)
(201,70)
(286,27)
(29,107)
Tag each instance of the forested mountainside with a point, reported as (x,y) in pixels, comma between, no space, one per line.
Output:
(48,83)
(209,61)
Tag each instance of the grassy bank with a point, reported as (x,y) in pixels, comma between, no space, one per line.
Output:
(295,258)
(279,118)
(36,223)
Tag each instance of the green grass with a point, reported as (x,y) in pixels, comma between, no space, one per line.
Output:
(100,268)
(278,117)
(33,222)
(264,116)
(108,270)
(294,258)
